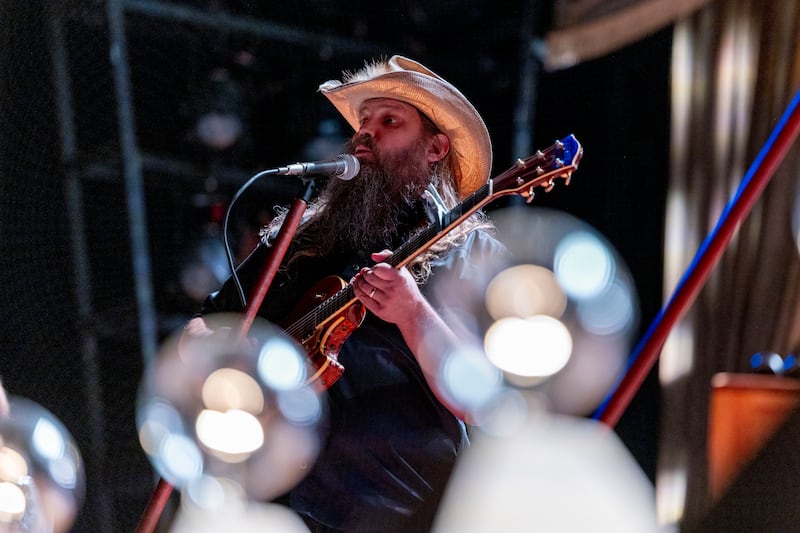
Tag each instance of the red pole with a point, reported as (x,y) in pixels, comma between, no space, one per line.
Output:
(160,497)
(708,255)
(158,501)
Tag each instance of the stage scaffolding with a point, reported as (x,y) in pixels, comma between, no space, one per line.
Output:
(124,164)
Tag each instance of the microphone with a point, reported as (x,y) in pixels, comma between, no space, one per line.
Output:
(344,167)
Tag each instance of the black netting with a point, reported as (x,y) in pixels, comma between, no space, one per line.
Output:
(65,216)
(264,60)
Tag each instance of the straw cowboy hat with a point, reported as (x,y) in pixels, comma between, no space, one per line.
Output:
(402,79)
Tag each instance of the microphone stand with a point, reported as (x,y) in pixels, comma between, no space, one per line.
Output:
(279,249)
(163,490)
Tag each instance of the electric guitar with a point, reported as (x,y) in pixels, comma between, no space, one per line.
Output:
(336,312)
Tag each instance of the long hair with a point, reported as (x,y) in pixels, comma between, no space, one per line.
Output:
(443,179)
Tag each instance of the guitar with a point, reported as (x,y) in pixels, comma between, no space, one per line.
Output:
(336,312)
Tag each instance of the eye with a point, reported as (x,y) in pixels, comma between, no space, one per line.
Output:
(390,120)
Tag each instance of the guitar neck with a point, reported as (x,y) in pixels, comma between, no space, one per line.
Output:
(537,170)
(425,238)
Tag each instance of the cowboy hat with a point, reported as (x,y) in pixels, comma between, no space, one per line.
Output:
(405,80)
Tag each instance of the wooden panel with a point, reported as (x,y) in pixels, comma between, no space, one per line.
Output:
(745,411)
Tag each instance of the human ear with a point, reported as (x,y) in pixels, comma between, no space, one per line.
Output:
(438,147)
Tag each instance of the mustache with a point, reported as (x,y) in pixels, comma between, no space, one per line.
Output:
(361,140)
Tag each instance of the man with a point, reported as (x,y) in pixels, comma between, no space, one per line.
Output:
(393,436)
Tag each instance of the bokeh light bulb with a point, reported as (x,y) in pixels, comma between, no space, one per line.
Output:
(42,482)
(238,410)
(562,313)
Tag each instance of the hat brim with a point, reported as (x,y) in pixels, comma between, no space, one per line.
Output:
(437,99)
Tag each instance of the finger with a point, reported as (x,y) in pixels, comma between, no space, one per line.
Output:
(362,284)
(383,255)
(365,291)
(384,273)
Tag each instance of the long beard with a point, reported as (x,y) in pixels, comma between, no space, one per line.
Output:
(362,214)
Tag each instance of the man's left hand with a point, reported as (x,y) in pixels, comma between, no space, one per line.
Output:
(390,293)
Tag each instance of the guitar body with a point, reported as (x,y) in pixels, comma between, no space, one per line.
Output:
(323,340)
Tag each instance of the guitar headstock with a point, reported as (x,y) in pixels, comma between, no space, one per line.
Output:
(540,169)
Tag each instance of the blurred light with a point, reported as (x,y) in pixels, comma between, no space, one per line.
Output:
(555,474)
(587,378)
(211,504)
(179,459)
(597,307)
(608,313)
(231,435)
(12,502)
(241,517)
(219,108)
(775,362)
(228,388)
(523,291)
(39,463)
(47,440)
(671,493)
(219,407)
(300,406)
(64,472)
(537,346)
(470,380)
(680,345)
(281,366)
(209,493)
(218,130)
(583,265)
(12,464)
(503,413)
(159,420)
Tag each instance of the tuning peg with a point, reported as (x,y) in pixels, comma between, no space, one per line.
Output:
(568,179)
(531,194)
(550,185)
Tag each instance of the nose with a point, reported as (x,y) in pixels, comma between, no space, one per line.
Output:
(364,130)
(367,127)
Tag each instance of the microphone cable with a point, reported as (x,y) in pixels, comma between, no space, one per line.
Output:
(228,253)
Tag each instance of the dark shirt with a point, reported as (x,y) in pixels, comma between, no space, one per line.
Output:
(391,445)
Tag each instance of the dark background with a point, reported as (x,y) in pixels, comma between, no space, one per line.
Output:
(617,106)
